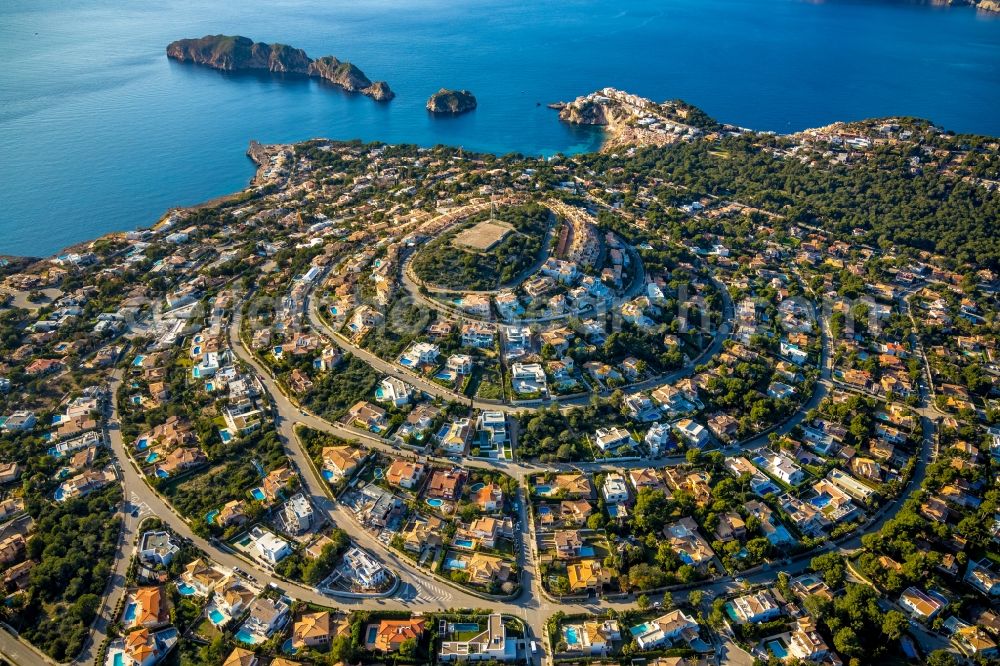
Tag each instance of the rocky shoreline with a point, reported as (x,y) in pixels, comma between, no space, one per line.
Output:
(242,54)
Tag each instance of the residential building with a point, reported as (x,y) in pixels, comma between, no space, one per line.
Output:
(388,635)
(665,630)
(614,489)
(922,605)
(491,644)
(156,548)
(588,575)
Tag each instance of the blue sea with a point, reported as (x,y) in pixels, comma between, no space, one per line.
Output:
(100,132)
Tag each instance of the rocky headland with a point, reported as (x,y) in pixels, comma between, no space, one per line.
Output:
(233,53)
(630,120)
(451,101)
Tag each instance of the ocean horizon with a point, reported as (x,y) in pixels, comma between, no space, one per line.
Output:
(100,132)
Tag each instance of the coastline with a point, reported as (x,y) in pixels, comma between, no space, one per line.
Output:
(617,135)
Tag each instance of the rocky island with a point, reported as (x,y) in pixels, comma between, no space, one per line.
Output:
(451,101)
(233,53)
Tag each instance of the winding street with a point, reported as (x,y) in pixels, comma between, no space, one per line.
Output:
(418,590)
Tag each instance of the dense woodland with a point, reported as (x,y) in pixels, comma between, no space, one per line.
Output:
(896,206)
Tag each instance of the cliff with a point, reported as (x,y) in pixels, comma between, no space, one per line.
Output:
(236,54)
(349,77)
(451,101)
(241,54)
(585,112)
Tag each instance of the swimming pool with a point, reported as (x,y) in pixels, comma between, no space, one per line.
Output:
(731,612)
(476,487)
(777,649)
(138,361)
(209,386)
(244,636)
(185,590)
(288,648)
(152,457)
(435,502)
(195,372)
(58,494)
(225,435)
(217,617)
(333,310)
(129,616)
(327,475)
(372,633)
(465,626)
(544,510)
(820,501)
(117,659)
(780,535)
(258,494)
(405,361)
(378,473)
(210,516)
(571,637)
(142,444)
(453,563)
(379,393)
(640,628)
(543,490)
(587,551)
(162,473)
(464,543)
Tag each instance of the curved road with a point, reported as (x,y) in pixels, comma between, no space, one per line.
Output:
(418,590)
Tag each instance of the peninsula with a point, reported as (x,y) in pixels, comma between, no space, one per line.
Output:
(451,101)
(242,54)
(633,120)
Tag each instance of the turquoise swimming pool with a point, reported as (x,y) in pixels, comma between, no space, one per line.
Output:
(245,636)
(435,502)
(258,494)
(129,616)
(777,648)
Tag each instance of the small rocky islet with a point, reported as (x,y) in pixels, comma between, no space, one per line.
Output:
(446,101)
